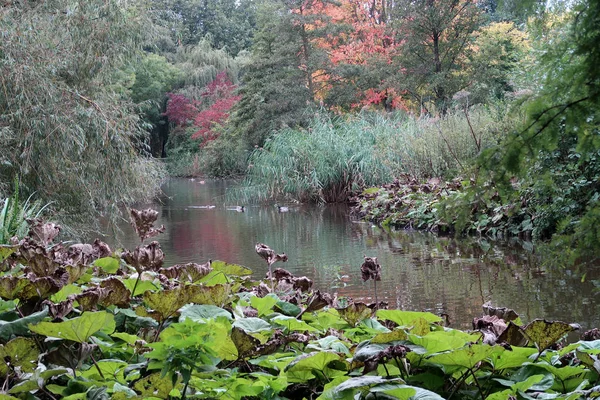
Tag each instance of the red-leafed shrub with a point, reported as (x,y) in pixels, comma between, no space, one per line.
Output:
(220,94)
(180,109)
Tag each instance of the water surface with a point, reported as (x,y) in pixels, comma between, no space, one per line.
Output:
(420,271)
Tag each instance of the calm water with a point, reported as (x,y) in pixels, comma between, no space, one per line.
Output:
(420,271)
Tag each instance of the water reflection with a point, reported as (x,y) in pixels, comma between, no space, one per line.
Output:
(420,271)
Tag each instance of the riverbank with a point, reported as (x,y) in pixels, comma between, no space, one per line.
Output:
(444,207)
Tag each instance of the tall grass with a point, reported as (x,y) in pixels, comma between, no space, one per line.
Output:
(337,156)
(321,164)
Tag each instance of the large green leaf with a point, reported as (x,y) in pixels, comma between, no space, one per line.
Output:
(313,361)
(20,352)
(20,327)
(230,269)
(405,392)
(65,292)
(107,370)
(407,318)
(252,324)
(264,305)
(467,357)
(515,357)
(440,341)
(142,286)
(292,324)
(78,329)
(200,312)
(109,265)
(562,373)
(362,382)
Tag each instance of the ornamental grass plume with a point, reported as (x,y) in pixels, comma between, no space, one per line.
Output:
(370,269)
(270,257)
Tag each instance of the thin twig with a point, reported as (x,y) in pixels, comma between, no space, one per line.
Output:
(449,147)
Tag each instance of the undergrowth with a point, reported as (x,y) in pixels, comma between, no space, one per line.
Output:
(86,322)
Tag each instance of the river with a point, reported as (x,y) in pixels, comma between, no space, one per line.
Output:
(420,271)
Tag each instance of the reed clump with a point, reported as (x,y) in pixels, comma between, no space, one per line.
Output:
(338,156)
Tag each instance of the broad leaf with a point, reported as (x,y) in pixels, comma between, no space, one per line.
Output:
(466,357)
(230,269)
(354,313)
(292,324)
(12,286)
(439,341)
(200,312)
(217,295)
(119,295)
(19,352)
(78,329)
(20,327)
(166,302)
(387,337)
(252,325)
(407,318)
(143,286)
(545,333)
(154,385)
(65,292)
(513,358)
(264,305)
(244,343)
(313,361)
(109,265)
(6,251)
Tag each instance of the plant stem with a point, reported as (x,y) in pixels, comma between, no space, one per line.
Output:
(477,383)
(376,301)
(97,366)
(135,284)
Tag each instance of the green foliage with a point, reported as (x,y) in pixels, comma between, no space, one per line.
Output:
(227,24)
(185,348)
(14,215)
(433,52)
(64,134)
(497,53)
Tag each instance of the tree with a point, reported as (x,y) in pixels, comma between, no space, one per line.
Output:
(227,24)
(361,48)
(153,77)
(494,57)
(63,133)
(555,154)
(435,36)
(278,83)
